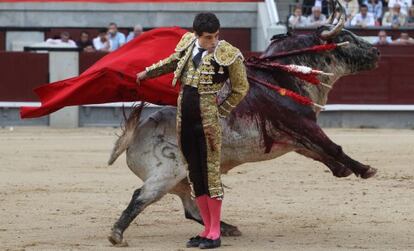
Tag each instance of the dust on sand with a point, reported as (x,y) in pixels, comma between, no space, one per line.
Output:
(57,193)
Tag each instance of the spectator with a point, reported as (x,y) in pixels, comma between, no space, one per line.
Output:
(85,43)
(317,18)
(404,4)
(308,4)
(102,42)
(410,18)
(375,7)
(135,33)
(63,40)
(297,20)
(363,19)
(394,17)
(404,39)
(382,39)
(117,38)
(351,8)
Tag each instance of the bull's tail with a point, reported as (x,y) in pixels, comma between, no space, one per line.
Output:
(128,129)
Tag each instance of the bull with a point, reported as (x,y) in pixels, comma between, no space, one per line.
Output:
(264,126)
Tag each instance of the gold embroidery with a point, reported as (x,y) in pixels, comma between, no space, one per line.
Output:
(225,54)
(186,40)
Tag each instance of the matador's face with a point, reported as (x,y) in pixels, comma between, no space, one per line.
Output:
(208,40)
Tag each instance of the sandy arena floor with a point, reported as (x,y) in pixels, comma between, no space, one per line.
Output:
(57,193)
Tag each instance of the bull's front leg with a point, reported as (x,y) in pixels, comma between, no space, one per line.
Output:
(337,169)
(319,147)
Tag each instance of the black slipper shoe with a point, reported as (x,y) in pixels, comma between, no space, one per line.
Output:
(209,243)
(195,241)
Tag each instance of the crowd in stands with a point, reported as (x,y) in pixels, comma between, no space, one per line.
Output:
(384,39)
(108,39)
(359,13)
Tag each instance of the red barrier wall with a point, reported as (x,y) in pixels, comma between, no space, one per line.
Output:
(239,37)
(391,83)
(86,60)
(20,72)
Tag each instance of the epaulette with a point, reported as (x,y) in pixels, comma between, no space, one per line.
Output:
(225,53)
(185,41)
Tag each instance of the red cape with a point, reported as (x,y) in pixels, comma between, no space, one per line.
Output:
(112,79)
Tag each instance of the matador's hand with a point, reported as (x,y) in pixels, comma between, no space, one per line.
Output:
(140,76)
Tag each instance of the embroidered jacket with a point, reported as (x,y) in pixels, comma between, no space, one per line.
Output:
(226,62)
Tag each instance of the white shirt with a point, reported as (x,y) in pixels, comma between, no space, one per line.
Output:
(369,20)
(195,50)
(97,43)
(69,43)
(405,5)
(295,22)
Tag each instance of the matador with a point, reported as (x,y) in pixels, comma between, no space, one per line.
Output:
(203,64)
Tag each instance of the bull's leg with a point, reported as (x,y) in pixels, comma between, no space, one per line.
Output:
(317,145)
(338,169)
(191,212)
(339,163)
(152,190)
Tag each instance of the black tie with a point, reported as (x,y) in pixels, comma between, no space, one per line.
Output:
(197,57)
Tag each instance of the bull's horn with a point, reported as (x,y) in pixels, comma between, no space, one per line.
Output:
(343,44)
(331,6)
(319,106)
(325,85)
(327,34)
(323,73)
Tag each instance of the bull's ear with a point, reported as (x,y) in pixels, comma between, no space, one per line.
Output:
(323,28)
(329,32)
(281,36)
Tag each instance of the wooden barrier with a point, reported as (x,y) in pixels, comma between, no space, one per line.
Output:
(20,72)
(391,83)
(86,59)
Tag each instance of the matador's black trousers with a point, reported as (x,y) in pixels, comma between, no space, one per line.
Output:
(193,140)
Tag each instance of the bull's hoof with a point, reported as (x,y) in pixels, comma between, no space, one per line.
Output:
(369,173)
(116,238)
(343,172)
(234,231)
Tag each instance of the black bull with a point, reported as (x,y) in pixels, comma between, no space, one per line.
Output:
(275,117)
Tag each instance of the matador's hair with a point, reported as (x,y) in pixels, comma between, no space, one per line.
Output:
(205,22)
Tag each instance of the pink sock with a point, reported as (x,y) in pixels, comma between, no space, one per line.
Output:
(201,202)
(214,206)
